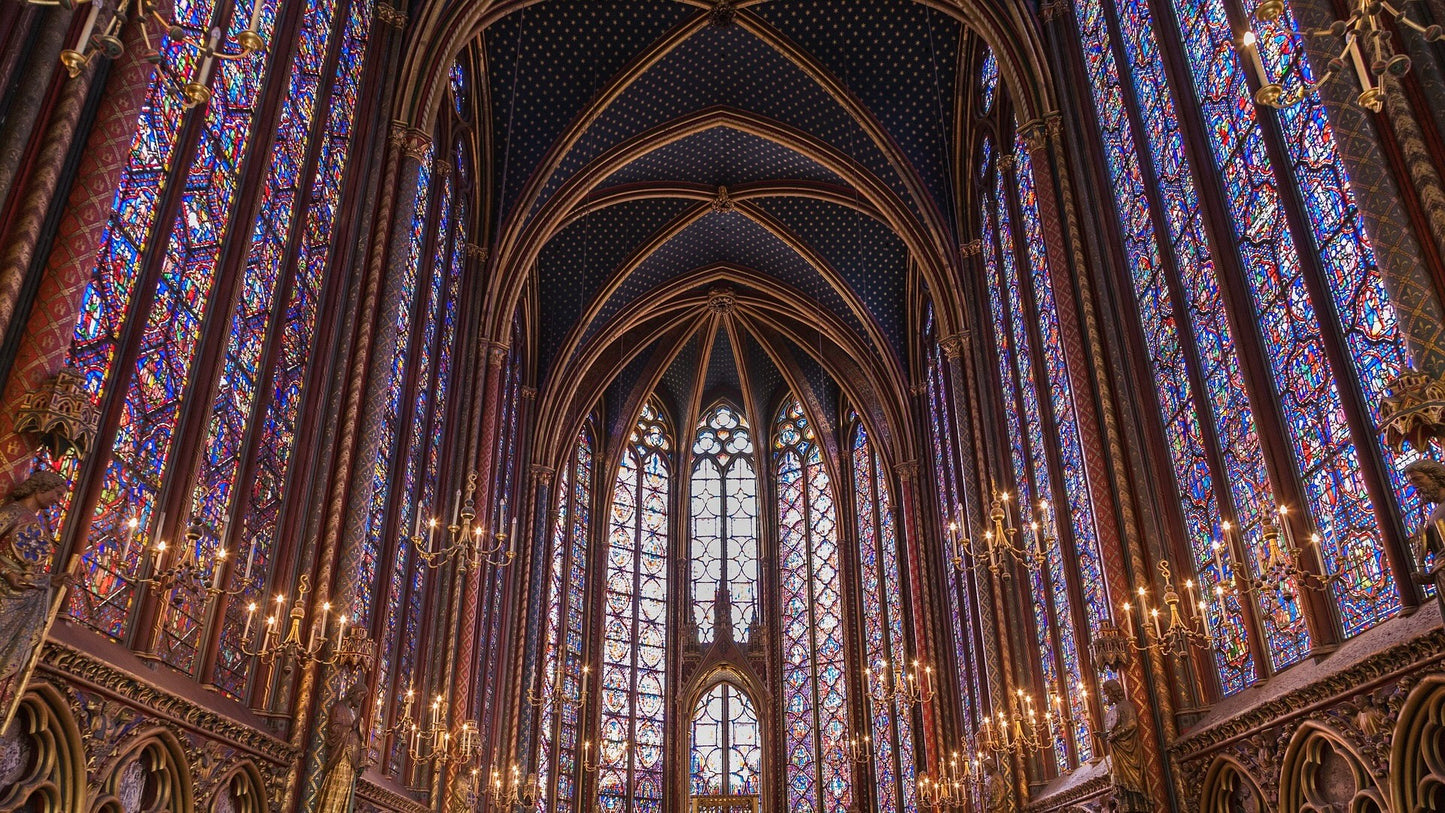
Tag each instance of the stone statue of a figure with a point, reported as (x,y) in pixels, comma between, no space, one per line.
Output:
(1126,751)
(28,594)
(345,752)
(1428,478)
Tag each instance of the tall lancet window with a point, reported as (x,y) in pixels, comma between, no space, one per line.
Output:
(724,522)
(883,622)
(1286,277)
(726,752)
(634,658)
(948,471)
(815,691)
(562,676)
(195,265)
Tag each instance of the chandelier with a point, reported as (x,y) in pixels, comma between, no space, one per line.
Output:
(153,28)
(464,540)
(1364,48)
(997,546)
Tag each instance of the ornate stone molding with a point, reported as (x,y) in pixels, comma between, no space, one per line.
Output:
(441,167)
(497,354)
(387,799)
(476,252)
(907,470)
(973,248)
(1049,10)
(722,12)
(1353,702)
(721,301)
(1066,800)
(60,412)
(542,475)
(82,671)
(1414,411)
(529,393)
(1007,161)
(952,345)
(389,15)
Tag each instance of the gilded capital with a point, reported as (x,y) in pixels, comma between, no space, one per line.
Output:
(542,475)
(907,470)
(497,354)
(953,345)
(390,15)
(973,248)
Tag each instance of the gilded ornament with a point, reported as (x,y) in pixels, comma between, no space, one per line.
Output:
(61,413)
(1414,411)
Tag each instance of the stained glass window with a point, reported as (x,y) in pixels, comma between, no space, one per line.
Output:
(1191,333)
(260,315)
(988,78)
(1207,403)
(629,776)
(1290,322)
(724,521)
(948,471)
(815,691)
(562,678)
(1055,631)
(883,623)
(726,751)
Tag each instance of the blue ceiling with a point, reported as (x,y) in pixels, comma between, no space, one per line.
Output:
(547,65)
(722,156)
(548,60)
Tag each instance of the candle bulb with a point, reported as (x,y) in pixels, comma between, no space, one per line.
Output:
(130,528)
(1157,633)
(250,561)
(89,28)
(250,617)
(457,507)
(204,75)
(1204,614)
(254,24)
(1249,43)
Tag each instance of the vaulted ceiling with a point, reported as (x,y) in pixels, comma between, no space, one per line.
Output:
(694,196)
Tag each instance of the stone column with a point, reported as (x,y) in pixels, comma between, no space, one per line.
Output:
(531,599)
(51,323)
(1120,550)
(47,34)
(369,378)
(464,624)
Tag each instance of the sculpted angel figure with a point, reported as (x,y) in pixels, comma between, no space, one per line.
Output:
(27,591)
(1126,751)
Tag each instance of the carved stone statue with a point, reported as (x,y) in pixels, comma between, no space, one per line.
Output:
(345,750)
(1126,751)
(1428,478)
(28,600)
(995,788)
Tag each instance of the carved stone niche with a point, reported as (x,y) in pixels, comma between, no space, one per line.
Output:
(1321,773)
(151,777)
(42,760)
(1417,759)
(241,792)
(1228,788)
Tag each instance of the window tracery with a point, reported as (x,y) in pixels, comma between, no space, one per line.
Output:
(634,660)
(815,686)
(724,521)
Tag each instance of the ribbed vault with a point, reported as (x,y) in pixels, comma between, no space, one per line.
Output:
(649,159)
